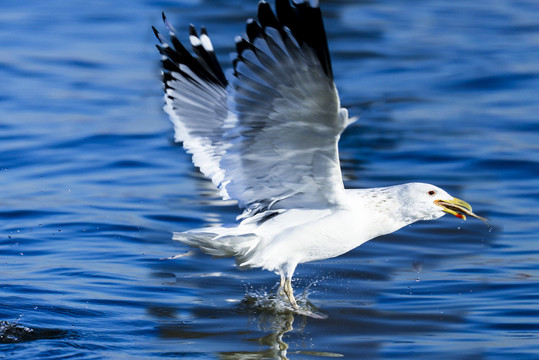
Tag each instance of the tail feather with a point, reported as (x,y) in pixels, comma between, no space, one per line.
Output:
(219,245)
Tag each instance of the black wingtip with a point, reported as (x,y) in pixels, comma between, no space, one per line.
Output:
(156,33)
(242,45)
(266,15)
(253,30)
(304,19)
(203,64)
(192,30)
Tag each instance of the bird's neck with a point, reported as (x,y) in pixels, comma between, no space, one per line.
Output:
(381,206)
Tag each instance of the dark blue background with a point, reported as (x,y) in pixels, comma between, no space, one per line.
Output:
(92,187)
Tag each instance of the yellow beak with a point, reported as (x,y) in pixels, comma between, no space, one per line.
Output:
(457,207)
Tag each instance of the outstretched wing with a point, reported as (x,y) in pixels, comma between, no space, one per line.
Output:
(196,99)
(276,145)
(287,108)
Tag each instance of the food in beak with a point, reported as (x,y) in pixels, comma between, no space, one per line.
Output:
(459,208)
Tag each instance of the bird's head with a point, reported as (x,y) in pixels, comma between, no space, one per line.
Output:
(428,202)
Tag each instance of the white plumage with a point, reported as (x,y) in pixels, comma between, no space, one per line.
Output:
(267,137)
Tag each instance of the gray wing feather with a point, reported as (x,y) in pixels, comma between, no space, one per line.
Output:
(269,137)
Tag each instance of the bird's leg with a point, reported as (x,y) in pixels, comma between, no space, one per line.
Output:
(281,287)
(290,292)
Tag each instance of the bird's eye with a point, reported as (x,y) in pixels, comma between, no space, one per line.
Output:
(432,192)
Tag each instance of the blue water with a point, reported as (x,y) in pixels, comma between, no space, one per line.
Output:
(92,186)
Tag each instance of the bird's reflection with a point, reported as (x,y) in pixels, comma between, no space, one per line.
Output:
(273,315)
(275,339)
(266,314)
(276,347)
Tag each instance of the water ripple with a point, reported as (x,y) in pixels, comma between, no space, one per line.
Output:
(93,187)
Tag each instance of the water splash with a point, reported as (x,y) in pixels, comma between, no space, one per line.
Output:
(276,303)
(12,333)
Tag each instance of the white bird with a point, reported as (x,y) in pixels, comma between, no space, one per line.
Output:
(268,137)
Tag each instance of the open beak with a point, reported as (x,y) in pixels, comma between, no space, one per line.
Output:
(457,207)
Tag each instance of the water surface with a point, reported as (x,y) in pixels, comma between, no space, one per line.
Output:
(93,187)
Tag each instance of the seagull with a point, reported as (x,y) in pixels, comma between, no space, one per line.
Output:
(267,136)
